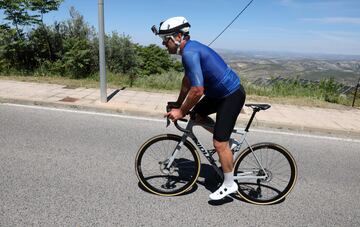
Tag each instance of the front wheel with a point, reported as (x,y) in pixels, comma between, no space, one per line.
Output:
(265,173)
(153,171)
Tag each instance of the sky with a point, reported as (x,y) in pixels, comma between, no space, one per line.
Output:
(304,26)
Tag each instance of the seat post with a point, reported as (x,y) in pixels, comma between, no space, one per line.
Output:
(255,110)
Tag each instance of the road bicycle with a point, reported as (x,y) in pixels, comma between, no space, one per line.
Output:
(169,164)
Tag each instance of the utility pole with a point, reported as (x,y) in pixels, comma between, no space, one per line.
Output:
(356,88)
(103,86)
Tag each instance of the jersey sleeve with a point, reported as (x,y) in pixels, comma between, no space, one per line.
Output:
(192,65)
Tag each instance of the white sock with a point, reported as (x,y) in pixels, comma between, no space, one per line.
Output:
(228,179)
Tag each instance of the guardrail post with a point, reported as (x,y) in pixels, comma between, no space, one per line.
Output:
(356,88)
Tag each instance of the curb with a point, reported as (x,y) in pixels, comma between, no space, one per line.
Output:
(112,110)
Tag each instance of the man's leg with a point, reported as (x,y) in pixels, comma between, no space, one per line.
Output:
(225,155)
(226,159)
(227,114)
(206,122)
(205,107)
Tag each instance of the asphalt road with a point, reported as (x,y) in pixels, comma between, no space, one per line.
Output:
(72,168)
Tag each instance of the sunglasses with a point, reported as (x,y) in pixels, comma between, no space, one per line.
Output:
(166,38)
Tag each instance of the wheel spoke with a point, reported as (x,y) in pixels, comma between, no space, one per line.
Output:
(280,179)
(280,174)
(155,175)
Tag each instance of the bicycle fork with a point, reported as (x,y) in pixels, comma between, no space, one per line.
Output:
(176,151)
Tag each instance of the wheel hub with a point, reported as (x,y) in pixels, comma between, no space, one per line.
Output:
(269,175)
(166,170)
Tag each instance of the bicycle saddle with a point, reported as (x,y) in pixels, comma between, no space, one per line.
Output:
(258,106)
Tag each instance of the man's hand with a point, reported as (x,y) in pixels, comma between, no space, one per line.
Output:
(175,114)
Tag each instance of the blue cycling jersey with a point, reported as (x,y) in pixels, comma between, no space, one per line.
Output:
(204,67)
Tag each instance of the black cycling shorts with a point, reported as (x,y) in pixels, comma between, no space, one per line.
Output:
(227,110)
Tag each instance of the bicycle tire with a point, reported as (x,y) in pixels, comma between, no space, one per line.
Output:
(187,168)
(255,192)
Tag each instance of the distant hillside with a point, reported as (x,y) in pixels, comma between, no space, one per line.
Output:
(255,65)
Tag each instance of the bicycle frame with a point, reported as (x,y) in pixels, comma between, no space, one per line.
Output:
(188,132)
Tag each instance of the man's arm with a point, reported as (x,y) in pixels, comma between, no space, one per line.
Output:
(192,86)
(185,87)
(194,95)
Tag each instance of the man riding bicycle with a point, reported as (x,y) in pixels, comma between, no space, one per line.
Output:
(206,74)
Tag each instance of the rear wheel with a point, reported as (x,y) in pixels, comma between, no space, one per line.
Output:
(279,167)
(152,160)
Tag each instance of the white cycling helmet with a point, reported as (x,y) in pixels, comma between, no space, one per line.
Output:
(171,27)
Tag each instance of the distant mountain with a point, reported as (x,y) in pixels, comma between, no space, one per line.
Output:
(257,64)
(232,54)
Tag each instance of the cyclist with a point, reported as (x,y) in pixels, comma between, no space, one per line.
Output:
(206,74)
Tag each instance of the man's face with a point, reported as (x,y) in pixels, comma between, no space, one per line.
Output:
(170,45)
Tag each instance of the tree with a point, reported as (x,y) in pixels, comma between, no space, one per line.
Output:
(70,47)
(16,11)
(17,48)
(77,59)
(43,7)
(76,26)
(154,60)
(120,53)
(5,37)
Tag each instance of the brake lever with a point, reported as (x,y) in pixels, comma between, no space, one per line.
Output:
(167,122)
(168,108)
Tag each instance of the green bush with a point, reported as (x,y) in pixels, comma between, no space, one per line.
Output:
(155,60)
(166,81)
(121,56)
(77,59)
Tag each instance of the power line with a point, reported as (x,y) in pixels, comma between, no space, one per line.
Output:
(232,21)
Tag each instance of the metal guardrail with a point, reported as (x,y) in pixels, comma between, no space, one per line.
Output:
(355,93)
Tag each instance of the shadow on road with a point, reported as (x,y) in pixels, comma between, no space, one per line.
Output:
(211,181)
(193,189)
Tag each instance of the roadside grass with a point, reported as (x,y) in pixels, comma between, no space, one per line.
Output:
(87,83)
(322,94)
(291,94)
(160,83)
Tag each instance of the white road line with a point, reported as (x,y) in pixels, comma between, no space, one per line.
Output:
(163,121)
(82,112)
(308,136)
